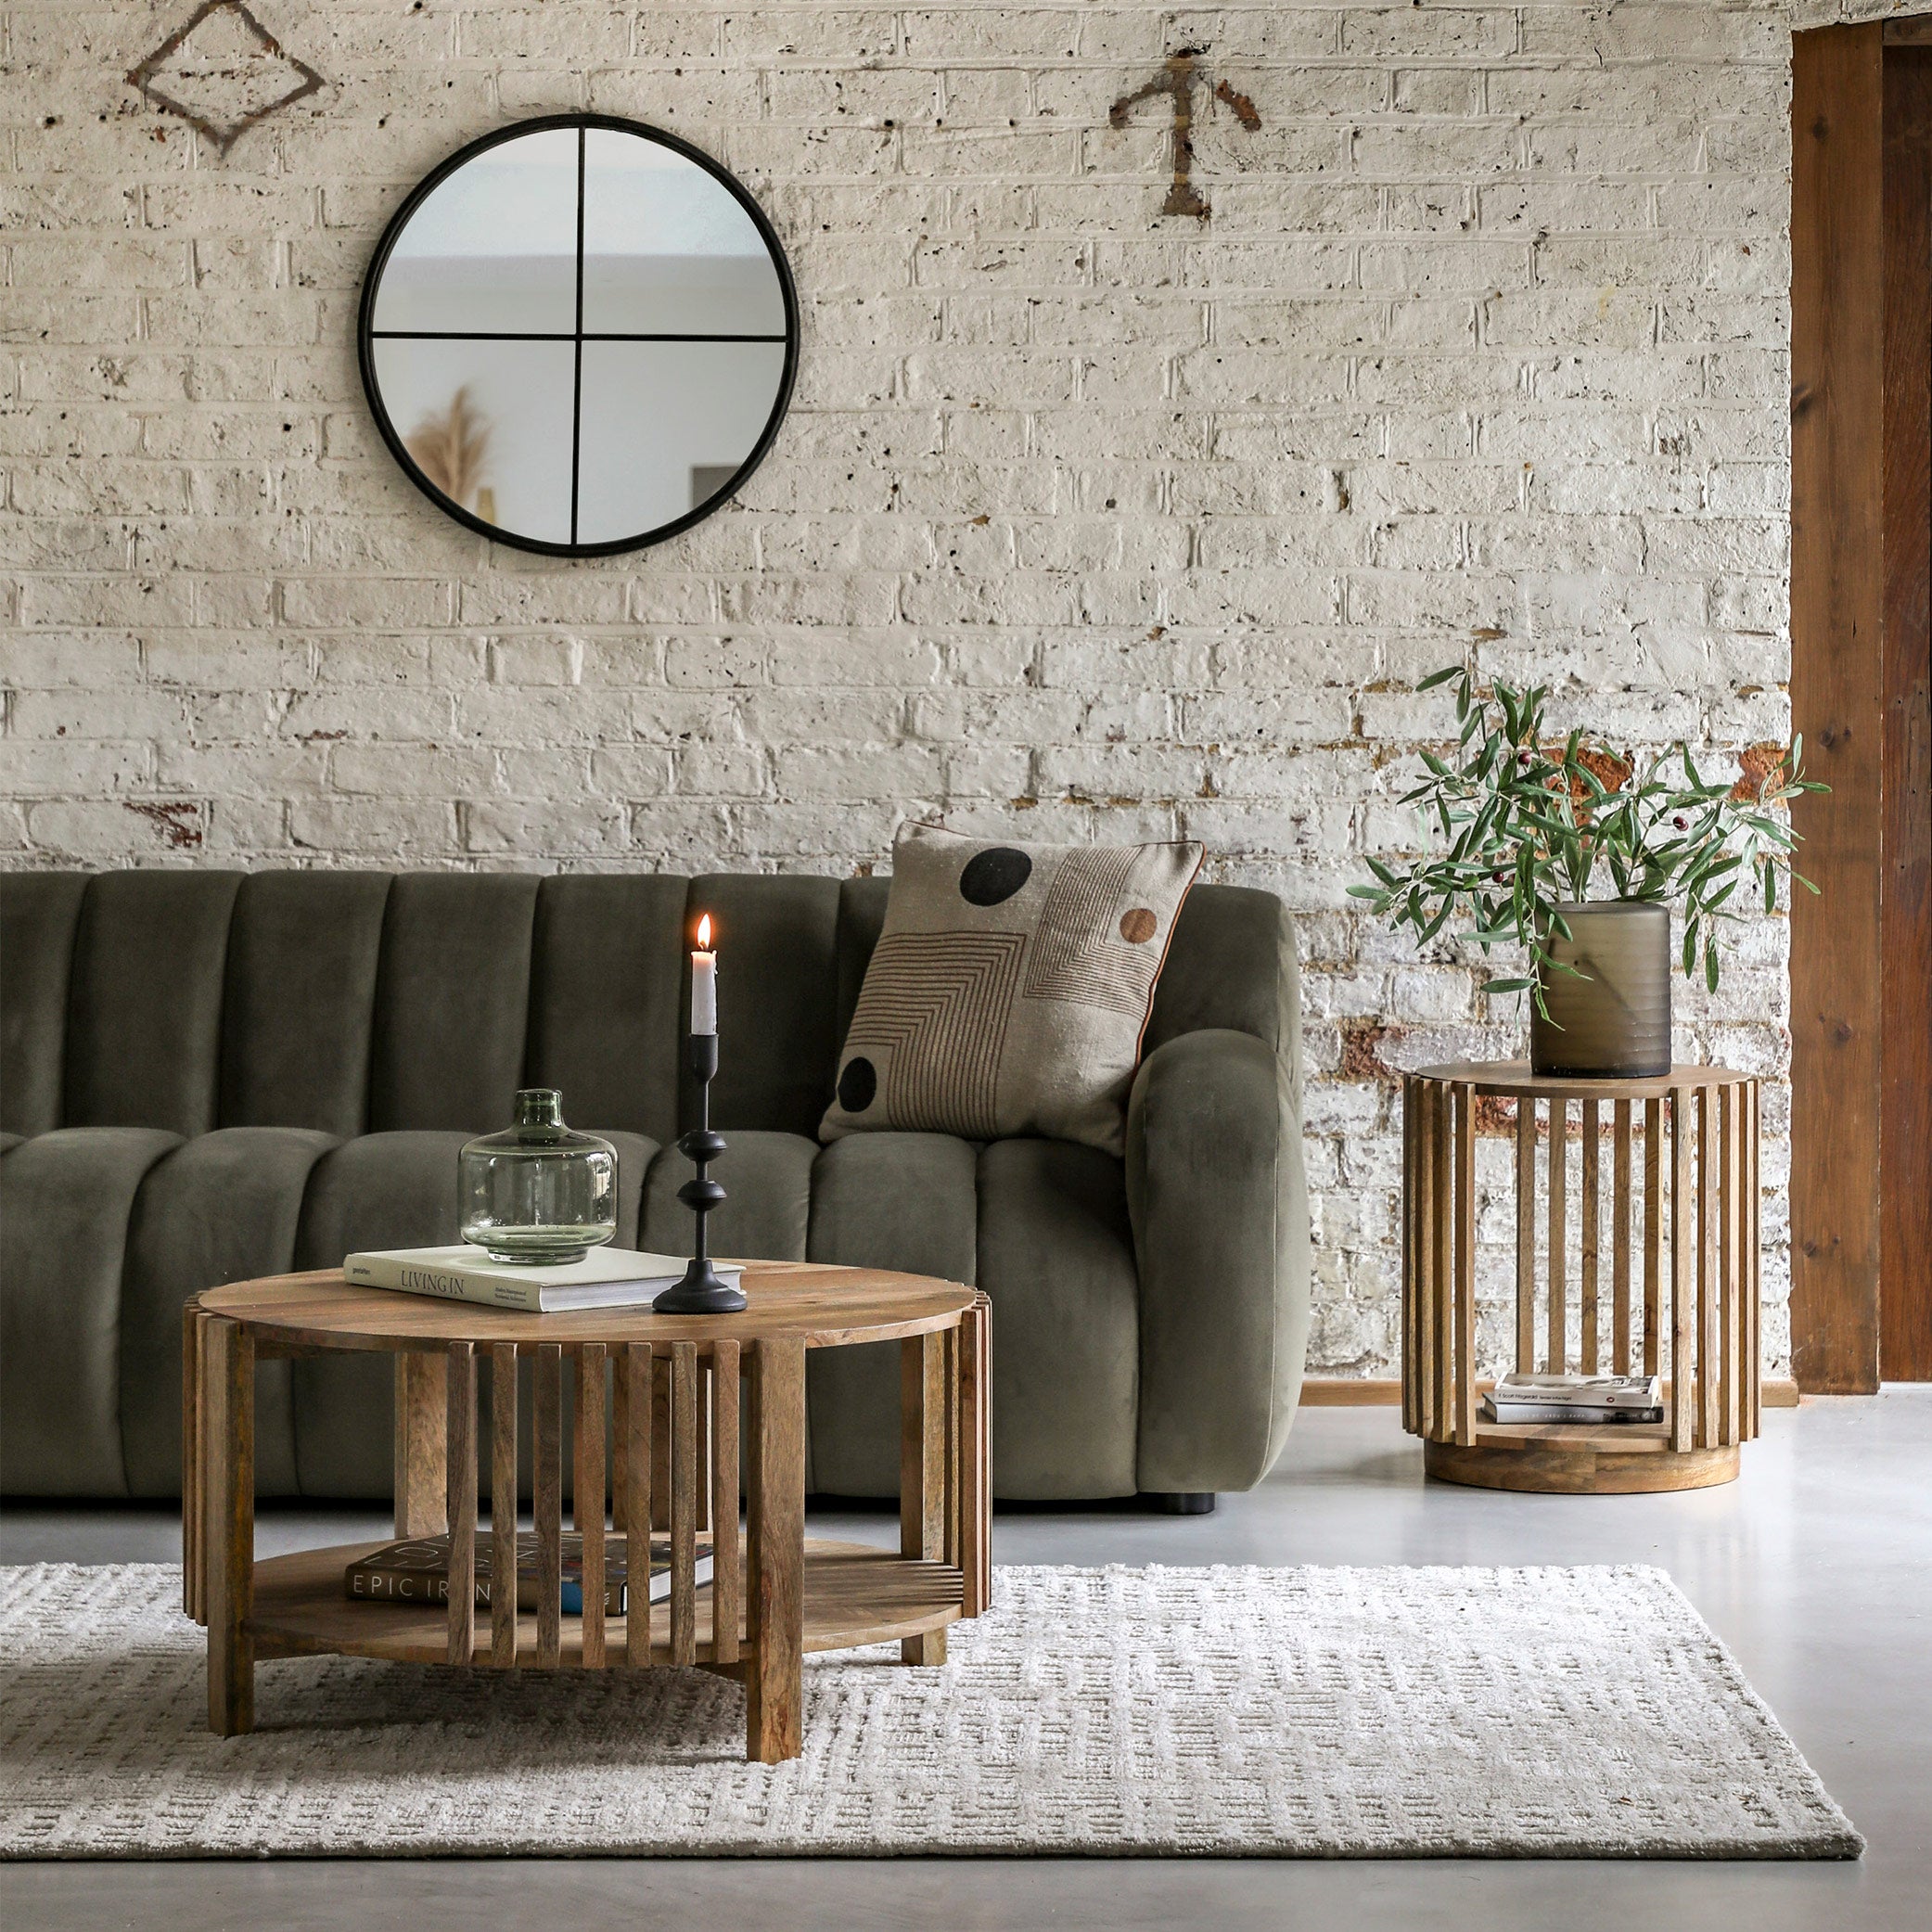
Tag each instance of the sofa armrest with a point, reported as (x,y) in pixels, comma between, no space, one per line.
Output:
(1220,1211)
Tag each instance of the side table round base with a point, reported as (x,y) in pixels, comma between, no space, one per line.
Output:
(1554,1469)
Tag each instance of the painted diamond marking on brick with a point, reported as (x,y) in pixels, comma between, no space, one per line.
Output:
(223,72)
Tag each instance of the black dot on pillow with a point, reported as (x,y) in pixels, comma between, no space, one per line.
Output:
(996,874)
(857,1085)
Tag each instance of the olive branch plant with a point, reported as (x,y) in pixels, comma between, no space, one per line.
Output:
(1526,825)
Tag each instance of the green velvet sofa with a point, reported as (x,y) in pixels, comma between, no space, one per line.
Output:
(206,1076)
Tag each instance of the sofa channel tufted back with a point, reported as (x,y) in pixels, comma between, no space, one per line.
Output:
(364,1002)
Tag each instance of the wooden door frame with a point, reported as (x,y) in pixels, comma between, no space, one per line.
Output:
(1906,832)
(1850,1018)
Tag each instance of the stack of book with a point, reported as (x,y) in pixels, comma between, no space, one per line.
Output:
(606,1277)
(1587,1400)
(417,1570)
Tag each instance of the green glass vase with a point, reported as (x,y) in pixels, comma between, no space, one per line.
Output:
(538,1192)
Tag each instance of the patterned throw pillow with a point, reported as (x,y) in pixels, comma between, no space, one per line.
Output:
(1010,988)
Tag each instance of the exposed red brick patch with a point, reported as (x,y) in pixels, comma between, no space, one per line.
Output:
(1609,771)
(180,823)
(1496,1114)
(1361,1057)
(1756,765)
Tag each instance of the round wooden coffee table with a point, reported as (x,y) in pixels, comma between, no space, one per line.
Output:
(673,1394)
(1669,1287)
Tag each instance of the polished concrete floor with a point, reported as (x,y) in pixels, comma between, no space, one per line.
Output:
(1815,1568)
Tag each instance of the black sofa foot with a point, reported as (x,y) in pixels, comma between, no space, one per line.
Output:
(1180,1503)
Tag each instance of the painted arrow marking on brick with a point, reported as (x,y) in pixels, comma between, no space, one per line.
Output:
(1177,79)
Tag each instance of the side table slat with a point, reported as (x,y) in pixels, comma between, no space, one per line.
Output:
(1754,1286)
(1683,1373)
(637,1452)
(1653,1234)
(684,1503)
(774,1582)
(503,1504)
(976,1478)
(950,1341)
(1441,1265)
(460,1461)
(727,1599)
(421,1469)
(549,1488)
(1727,1266)
(1588,1233)
(1707,1269)
(230,1519)
(1427,1328)
(192,1559)
(1409,1252)
(1556,1343)
(1466,1265)
(620,1435)
(1620,1240)
(922,1466)
(587,1496)
(1526,1235)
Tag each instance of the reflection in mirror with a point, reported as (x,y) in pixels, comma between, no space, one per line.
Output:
(664,409)
(579,334)
(493,248)
(488,425)
(450,449)
(668,249)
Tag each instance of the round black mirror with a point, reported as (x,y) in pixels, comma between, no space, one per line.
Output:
(579,335)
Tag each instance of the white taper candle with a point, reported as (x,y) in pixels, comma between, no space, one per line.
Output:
(704,981)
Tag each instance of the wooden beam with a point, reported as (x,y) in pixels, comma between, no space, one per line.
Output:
(1905,1105)
(1837,314)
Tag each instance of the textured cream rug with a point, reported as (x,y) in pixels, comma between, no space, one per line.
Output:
(1309,1712)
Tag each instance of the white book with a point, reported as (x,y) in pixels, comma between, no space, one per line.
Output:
(1578,1391)
(606,1277)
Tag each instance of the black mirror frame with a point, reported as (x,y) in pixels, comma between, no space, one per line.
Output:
(392,233)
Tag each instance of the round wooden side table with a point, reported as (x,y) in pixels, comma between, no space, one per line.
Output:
(673,1384)
(1682,1268)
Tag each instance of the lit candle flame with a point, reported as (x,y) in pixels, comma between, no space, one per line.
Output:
(704,933)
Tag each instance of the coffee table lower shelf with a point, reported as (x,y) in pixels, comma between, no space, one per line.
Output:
(853,1593)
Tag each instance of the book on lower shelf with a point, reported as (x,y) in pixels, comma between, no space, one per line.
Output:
(1575,1415)
(417,1570)
(1585,1401)
(606,1277)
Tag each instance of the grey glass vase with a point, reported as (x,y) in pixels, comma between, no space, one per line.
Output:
(538,1192)
(1609,1014)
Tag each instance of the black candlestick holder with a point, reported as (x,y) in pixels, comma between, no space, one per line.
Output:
(703,1291)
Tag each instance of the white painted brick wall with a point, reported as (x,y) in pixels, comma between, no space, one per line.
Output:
(1085,523)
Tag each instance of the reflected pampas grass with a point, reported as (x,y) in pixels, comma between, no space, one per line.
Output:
(450,449)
